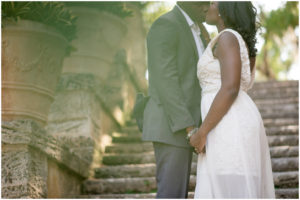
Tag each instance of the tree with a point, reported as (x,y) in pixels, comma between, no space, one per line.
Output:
(280,40)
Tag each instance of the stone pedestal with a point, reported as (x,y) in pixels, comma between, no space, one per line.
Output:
(89,80)
(37,165)
(24,172)
(74,116)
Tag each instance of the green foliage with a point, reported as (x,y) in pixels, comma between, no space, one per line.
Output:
(278,21)
(276,26)
(153,11)
(50,13)
(114,7)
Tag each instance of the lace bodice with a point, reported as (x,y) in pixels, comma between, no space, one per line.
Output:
(208,68)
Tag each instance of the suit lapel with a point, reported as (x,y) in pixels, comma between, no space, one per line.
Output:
(187,30)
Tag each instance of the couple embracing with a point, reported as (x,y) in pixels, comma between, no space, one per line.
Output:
(199,103)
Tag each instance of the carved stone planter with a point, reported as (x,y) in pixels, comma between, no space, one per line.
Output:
(99,36)
(32,56)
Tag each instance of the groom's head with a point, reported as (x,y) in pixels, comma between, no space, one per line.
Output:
(195,9)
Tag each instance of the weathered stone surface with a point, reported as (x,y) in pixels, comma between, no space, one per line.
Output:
(129,148)
(118,196)
(274,84)
(278,93)
(61,182)
(131,130)
(138,158)
(119,185)
(273,109)
(28,132)
(76,122)
(286,179)
(277,122)
(283,140)
(285,164)
(287,193)
(284,151)
(146,184)
(291,114)
(276,101)
(23,172)
(280,193)
(80,116)
(127,138)
(283,130)
(126,171)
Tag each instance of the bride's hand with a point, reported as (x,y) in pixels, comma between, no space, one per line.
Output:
(198,141)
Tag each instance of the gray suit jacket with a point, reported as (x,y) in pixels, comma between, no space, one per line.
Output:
(174,89)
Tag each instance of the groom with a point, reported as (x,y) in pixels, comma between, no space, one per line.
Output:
(174,43)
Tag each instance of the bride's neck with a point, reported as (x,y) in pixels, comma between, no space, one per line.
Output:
(220,26)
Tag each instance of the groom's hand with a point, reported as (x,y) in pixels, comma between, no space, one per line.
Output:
(188,129)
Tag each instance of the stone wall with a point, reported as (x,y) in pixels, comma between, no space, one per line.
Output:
(51,160)
(31,158)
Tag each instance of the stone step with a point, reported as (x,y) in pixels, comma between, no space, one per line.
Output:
(268,93)
(282,130)
(288,193)
(286,179)
(283,140)
(131,130)
(130,123)
(119,185)
(284,151)
(129,148)
(286,133)
(276,151)
(278,164)
(126,171)
(285,164)
(280,122)
(148,184)
(117,196)
(275,84)
(288,126)
(283,179)
(286,108)
(291,114)
(275,101)
(126,138)
(136,158)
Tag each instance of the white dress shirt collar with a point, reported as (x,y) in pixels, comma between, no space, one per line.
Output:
(195,31)
(187,17)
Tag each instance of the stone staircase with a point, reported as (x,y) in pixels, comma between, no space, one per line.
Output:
(128,169)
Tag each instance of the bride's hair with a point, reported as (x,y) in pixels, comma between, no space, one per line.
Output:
(241,16)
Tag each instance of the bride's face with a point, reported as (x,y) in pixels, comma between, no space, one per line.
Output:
(212,15)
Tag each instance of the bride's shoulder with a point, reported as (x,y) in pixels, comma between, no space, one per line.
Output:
(228,32)
(227,38)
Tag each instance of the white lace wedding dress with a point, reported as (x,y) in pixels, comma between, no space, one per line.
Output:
(237,161)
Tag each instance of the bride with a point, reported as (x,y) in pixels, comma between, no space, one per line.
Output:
(234,159)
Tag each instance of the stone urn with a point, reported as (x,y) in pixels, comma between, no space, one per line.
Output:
(32,57)
(99,36)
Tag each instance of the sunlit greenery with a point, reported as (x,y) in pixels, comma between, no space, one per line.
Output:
(278,31)
(280,47)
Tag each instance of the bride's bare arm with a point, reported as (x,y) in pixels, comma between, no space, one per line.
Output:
(228,54)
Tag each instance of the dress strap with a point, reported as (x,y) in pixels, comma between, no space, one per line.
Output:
(246,73)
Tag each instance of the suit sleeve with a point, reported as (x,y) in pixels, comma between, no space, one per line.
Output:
(162,42)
